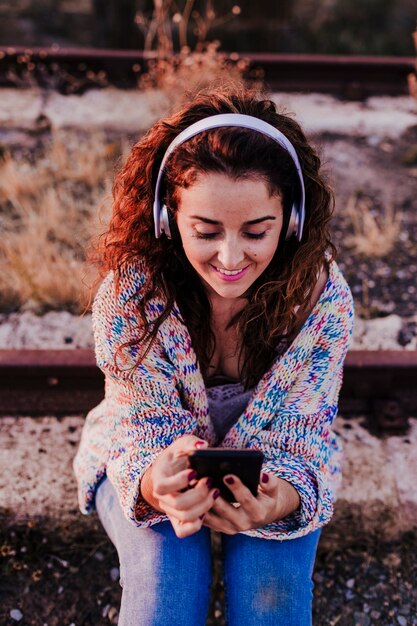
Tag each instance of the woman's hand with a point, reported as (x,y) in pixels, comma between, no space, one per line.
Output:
(166,487)
(275,500)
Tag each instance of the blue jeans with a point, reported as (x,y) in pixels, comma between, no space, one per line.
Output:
(166,580)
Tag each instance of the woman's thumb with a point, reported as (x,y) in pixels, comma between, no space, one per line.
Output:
(267,482)
(188,443)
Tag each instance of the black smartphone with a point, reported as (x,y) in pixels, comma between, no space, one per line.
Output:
(217,462)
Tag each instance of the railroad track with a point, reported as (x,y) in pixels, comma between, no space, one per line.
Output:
(76,70)
(378,384)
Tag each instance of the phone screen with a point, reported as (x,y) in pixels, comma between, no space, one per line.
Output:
(218,462)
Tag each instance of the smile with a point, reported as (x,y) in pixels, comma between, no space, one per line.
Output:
(230,274)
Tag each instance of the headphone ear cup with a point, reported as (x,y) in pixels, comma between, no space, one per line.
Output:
(293,223)
(165,221)
(169,225)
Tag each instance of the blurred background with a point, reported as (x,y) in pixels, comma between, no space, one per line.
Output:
(371,27)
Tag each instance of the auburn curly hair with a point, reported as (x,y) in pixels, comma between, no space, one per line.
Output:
(269,319)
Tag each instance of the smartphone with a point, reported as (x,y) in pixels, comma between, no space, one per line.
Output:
(218,462)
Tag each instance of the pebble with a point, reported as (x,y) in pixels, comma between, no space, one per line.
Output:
(113,615)
(401,620)
(361,619)
(99,556)
(350,583)
(114,574)
(16,615)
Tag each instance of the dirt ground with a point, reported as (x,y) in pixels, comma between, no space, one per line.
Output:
(66,575)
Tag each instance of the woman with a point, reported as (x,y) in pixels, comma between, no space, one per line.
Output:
(224,321)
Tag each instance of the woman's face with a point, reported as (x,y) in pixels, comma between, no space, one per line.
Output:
(230,231)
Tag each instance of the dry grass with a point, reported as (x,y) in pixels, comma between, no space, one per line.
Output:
(179,74)
(374,235)
(190,71)
(48,214)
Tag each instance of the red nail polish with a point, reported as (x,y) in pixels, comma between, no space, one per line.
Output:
(265,478)
(209,482)
(192,475)
(229,480)
(216,494)
(199,443)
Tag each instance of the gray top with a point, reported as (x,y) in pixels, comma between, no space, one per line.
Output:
(227,400)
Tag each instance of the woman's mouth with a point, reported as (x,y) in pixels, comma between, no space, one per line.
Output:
(230,275)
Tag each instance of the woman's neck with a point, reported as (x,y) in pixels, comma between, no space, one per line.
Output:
(224,309)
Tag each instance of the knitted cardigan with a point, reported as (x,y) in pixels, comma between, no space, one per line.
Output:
(289,416)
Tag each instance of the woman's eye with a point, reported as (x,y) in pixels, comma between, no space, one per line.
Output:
(248,235)
(255,235)
(206,235)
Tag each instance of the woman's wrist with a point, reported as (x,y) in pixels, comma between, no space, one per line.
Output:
(146,490)
(288,500)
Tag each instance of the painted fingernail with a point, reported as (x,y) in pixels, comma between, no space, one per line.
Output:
(202,516)
(199,443)
(216,494)
(229,480)
(265,478)
(192,475)
(209,482)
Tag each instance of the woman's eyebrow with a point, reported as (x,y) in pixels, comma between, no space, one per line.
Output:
(206,220)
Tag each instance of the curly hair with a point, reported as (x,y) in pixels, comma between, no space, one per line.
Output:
(269,320)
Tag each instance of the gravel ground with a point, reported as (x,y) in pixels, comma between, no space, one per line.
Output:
(67,575)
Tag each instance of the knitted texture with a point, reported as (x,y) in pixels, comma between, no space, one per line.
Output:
(289,416)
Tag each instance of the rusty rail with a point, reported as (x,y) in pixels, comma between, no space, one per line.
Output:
(380,384)
(76,70)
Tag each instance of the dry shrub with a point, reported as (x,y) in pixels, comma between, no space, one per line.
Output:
(190,71)
(48,215)
(172,76)
(373,235)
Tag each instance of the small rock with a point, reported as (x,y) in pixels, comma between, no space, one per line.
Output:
(401,620)
(105,610)
(392,560)
(349,595)
(16,615)
(350,583)
(375,614)
(99,556)
(361,619)
(114,574)
(113,615)
(407,333)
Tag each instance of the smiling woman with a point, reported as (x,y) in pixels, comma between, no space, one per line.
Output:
(240,224)
(222,321)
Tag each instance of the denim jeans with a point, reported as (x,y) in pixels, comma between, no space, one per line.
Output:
(166,580)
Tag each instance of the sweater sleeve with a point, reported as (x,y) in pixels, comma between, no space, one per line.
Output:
(146,410)
(299,444)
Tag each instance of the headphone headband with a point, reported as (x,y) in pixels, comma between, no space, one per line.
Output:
(231,120)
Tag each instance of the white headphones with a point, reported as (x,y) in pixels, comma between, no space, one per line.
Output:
(160,212)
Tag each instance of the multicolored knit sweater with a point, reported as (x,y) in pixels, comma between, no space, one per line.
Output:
(289,416)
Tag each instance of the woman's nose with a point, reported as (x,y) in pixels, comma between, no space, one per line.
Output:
(230,254)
